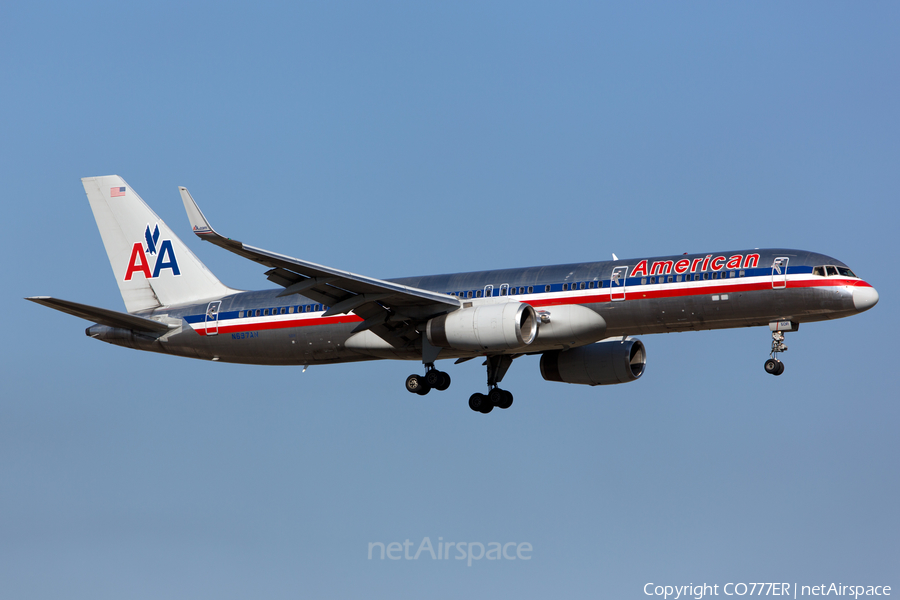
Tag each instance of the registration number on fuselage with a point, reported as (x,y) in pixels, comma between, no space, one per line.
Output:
(245,335)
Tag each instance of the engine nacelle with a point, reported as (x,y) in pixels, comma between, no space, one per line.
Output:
(568,325)
(488,327)
(603,363)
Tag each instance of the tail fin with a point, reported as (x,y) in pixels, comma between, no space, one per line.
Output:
(152,266)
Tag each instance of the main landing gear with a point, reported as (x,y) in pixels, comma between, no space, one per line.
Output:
(432,379)
(773,365)
(483,403)
(496,369)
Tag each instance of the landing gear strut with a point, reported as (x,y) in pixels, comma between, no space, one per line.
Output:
(773,365)
(432,379)
(496,369)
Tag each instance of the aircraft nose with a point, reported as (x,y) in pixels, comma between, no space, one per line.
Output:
(864,297)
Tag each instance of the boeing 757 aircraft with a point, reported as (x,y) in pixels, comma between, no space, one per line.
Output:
(579,317)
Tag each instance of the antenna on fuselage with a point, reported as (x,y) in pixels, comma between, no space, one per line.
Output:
(614,256)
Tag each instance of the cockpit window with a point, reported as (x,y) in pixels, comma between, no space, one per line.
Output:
(831,270)
(846,272)
(820,271)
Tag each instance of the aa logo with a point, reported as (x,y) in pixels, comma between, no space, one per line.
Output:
(140,256)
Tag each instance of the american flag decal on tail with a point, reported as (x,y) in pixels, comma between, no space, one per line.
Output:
(117,191)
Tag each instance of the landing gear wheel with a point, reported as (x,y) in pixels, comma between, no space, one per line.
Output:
(774,367)
(477,402)
(433,378)
(496,396)
(416,384)
(437,380)
(507,400)
(445,382)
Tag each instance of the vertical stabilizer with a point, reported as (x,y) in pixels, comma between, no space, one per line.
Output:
(152,266)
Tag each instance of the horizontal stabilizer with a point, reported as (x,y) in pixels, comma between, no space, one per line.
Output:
(102,316)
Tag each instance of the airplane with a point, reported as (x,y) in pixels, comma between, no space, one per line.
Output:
(580,318)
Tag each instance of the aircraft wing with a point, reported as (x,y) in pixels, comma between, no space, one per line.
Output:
(378,302)
(102,316)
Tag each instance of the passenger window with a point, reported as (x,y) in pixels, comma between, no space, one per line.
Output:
(706,276)
(653,280)
(546,288)
(530,289)
(565,287)
(478,294)
(669,279)
(741,273)
(678,278)
(643,280)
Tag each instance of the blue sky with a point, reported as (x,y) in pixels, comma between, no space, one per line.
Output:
(400,139)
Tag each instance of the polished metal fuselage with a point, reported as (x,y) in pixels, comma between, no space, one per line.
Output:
(292,330)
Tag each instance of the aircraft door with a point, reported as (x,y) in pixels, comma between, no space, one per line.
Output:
(212,318)
(779,272)
(617,284)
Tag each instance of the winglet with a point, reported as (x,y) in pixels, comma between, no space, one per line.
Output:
(198,222)
(200,225)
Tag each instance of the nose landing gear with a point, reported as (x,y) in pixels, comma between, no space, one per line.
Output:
(774,366)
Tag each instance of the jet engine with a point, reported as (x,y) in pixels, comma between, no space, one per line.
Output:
(603,363)
(490,327)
